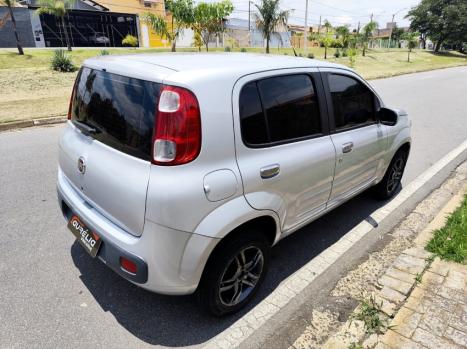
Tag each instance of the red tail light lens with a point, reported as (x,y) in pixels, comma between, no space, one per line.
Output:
(128,265)
(177,130)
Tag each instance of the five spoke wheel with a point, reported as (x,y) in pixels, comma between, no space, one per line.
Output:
(241,276)
(395,175)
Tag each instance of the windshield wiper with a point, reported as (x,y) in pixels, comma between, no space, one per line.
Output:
(87,129)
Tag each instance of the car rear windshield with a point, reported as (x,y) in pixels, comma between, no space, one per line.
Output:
(116,110)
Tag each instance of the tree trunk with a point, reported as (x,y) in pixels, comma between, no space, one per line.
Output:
(174,37)
(325,52)
(408,56)
(422,39)
(67,39)
(364,50)
(267,43)
(13,20)
(438,45)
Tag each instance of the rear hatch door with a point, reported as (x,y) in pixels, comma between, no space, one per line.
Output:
(106,147)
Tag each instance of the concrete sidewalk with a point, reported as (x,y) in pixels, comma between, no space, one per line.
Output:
(420,300)
(435,314)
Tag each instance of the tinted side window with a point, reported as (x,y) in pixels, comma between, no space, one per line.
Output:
(252,120)
(353,102)
(291,107)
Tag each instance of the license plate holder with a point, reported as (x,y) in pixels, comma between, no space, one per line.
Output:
(90,241)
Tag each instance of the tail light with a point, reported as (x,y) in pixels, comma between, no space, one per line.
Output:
(177,130)
(128,265)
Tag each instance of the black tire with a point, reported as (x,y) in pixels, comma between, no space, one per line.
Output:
(223,267)
(391,181)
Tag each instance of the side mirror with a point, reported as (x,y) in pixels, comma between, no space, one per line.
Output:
(388,116)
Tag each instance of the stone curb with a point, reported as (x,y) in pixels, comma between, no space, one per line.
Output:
(30,123)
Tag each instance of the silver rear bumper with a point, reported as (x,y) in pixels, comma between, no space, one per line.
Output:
(172,261)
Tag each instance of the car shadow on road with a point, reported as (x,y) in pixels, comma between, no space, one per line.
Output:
(178,321)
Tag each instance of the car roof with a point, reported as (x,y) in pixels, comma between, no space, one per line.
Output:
(237,64)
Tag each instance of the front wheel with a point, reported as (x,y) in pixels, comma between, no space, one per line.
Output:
(391,181)
(234,273)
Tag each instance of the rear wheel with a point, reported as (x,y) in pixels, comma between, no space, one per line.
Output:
(391,181)
(234,273)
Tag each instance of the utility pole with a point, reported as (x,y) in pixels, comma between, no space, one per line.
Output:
(305,45)
(249,23)
(390,33)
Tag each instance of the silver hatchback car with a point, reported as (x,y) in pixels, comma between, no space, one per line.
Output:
(180,171)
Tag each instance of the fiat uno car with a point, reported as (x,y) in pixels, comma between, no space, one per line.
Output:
(180,171)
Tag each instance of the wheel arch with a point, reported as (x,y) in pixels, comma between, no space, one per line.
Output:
(233,218)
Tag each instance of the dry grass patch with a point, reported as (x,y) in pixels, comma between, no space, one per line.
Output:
(31,90)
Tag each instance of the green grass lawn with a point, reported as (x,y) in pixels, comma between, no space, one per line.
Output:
(450,242)
(30,89)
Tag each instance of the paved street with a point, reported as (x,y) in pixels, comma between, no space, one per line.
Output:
(52,294)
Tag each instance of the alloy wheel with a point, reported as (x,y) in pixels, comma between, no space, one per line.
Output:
(395,175)
(241,276)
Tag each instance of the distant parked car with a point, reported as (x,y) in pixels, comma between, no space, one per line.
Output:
(180,171)
(99,39)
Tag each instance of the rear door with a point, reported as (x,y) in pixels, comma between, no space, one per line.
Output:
(106,147)
(284,152)
(356,133)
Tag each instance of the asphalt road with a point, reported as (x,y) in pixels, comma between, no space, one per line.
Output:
(52,294)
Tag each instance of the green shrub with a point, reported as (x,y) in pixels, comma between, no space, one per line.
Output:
(311,55)
(344,53)
(104,53)
(337,54)
(130,40)
(62,62)
(227,49)
(243,49)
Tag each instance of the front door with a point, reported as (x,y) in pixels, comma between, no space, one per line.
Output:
(284,152)
(356,133)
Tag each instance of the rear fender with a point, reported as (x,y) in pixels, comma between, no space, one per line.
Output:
(217,225)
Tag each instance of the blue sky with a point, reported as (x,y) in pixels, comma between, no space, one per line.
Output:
(339,12)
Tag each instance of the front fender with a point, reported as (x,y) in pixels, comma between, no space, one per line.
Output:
(397,136)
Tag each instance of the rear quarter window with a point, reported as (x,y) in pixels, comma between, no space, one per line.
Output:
(120,108)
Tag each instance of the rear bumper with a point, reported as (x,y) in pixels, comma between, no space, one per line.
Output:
(169,261)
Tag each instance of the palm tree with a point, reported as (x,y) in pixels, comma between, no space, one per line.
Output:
(367,34)
(269,19)
(343,33)
(326,41)
(10,4)
(59,9)
(412,40)
(182,16)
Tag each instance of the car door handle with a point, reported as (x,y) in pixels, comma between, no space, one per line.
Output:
(347,147)
(270,171)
